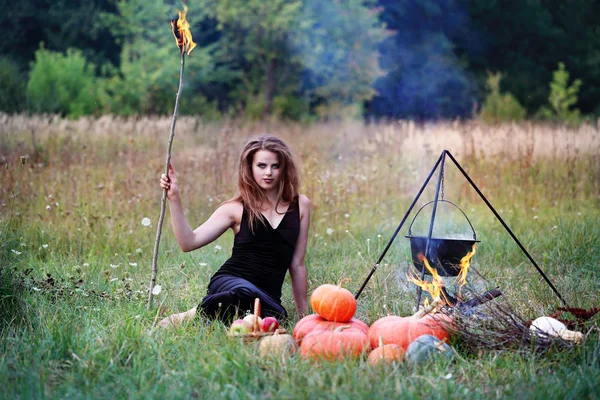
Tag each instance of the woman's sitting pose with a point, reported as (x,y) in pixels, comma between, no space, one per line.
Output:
(270,221)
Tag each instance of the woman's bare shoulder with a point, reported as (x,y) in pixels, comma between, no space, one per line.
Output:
(231,206)
(303,200)
(303,204)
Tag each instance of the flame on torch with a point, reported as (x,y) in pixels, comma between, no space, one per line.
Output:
(182,33)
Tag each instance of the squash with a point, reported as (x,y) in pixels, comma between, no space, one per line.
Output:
(427,347)
(333,302)
(403,330)
(386,353)
(342,342)
(552,327)
(277,345)
(315,323)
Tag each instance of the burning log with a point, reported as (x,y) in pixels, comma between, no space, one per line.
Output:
(484,298)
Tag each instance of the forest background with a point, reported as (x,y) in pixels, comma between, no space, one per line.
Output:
(305,60)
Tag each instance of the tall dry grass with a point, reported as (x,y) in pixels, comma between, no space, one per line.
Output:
(85,185)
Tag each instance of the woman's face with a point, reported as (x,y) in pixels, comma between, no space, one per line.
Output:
(266,170)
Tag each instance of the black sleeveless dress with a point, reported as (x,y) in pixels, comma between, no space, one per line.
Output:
(256,268)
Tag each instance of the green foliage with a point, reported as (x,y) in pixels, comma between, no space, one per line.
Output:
(562,97)
(62,83)
(337,43)
(12,86)
(60,24)
(328,47)
(148,77)
(500,107)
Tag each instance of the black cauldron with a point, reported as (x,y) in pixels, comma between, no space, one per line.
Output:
(444,253)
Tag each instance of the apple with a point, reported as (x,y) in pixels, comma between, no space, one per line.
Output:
(240,327)
(269,324)
(253,320)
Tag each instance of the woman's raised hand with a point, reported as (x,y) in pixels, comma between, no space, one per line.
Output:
(169,183)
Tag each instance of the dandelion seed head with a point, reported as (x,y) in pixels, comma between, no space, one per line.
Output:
(48,207)
(156,290)
(16,252)
(133,264)
(138,250)
(45,246)
(146,221)
(329,231)
(346,215)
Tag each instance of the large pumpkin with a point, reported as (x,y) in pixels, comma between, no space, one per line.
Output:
(343,342)
(403,330)
(431,324)
(314,323)
(333,302)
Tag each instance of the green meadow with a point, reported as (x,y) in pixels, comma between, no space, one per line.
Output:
(76,258)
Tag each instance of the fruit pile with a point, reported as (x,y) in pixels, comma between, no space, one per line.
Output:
(333,333)
(253,323)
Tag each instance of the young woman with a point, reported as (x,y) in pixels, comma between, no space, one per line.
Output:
(270,221)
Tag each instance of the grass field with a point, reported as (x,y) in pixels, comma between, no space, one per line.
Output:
(76,259)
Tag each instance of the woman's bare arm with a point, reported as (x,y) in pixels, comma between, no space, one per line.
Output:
(297,267)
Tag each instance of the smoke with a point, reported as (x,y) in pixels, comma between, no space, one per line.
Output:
(426,79)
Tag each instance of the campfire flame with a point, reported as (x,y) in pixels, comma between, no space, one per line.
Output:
(182,33)
(464,265)
(434,288)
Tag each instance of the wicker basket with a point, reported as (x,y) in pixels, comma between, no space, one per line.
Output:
(256,334)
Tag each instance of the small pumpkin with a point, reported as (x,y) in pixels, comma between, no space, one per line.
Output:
(343,342)
(333,302)
(386,353)
(315,323)
(277,345)
(427,347)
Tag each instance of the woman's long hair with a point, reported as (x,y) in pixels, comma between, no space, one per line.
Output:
(250,193)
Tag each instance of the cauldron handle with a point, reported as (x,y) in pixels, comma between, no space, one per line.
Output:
(444,201)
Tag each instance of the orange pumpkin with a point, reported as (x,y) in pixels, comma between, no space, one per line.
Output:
(393,329)
(386,353)
(430,324)
(403,330)
(343,342)
(314,323)
(333,302)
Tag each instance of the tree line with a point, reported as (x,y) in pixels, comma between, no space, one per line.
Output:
(303,59)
